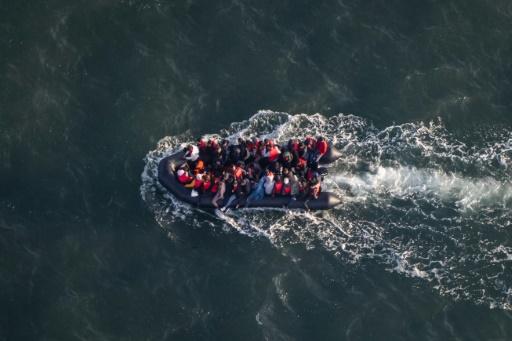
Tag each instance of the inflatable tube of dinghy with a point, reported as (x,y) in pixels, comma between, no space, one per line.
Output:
(166,177)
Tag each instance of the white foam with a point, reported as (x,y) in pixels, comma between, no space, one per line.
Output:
(467,193)
(461,253)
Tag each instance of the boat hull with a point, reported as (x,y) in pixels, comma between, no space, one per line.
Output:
(166,177)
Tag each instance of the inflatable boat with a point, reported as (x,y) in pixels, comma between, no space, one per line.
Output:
(166,176)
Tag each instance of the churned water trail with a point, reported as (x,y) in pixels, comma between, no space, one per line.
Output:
(417,200)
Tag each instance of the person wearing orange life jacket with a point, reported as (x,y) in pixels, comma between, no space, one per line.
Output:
(239,171)
(321,148)
(271,152)
(199,168)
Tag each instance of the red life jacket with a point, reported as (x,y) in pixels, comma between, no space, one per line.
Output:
(287,190)
(198,184)
(206,185)
(309,141)
(214,143)
(321,147)
(309,175)
(184,178)
(278,187)
(273,154)
(215,187)
(295,146)
(301,163)
(201,144)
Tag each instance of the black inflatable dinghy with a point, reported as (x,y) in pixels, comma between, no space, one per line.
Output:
(166,176)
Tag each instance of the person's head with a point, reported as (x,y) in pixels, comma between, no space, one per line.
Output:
(320,138)
(278,178)
(314,181)
(190,147)
(199,176)
(286,180)
(285,171)
(268,171)
(206,177)
(241,140)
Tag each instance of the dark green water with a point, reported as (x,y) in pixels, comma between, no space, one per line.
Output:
(421,250)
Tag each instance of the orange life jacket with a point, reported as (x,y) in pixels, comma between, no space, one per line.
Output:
(238,172)
(199,166)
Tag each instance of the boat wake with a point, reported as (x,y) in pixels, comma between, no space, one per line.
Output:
(417,200)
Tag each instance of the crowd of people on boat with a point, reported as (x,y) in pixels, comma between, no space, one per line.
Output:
(252,169)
